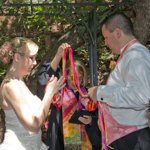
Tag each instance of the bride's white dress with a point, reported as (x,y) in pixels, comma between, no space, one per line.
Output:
(17,137)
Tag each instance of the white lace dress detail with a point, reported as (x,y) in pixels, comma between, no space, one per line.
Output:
(19,138)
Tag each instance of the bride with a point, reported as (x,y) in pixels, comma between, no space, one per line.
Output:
(24,112)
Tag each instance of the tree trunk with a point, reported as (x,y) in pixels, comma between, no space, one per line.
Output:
(142,20)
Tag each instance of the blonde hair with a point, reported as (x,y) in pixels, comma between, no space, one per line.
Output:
(23,46)
(17,45)
(81,69)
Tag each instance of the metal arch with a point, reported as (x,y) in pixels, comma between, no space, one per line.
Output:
(92,48)
(32,5)
(90,27)
(91,30)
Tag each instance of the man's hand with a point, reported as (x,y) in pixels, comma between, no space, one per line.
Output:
(92,93)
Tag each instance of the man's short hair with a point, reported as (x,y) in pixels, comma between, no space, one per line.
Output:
(119,20)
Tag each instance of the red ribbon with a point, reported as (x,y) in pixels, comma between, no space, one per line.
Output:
(91,105)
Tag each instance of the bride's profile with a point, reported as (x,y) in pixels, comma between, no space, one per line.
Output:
(24,112)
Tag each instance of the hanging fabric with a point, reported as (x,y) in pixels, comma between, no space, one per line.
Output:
(74,134)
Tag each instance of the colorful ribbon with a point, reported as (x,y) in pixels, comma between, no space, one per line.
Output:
(91,105)
(102,125)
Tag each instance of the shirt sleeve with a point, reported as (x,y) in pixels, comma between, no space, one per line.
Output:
(43,76)
(134,93)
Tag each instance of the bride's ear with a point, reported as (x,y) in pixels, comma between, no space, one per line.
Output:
(17,57)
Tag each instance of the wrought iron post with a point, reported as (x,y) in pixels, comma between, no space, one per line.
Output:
(92,48)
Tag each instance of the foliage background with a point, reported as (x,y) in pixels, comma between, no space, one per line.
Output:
(50,25)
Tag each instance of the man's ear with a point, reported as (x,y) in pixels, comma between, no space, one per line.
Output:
(118,33)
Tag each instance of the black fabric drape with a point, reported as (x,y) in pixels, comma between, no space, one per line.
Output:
(55,139)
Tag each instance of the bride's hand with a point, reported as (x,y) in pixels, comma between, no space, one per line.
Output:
(54,85)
